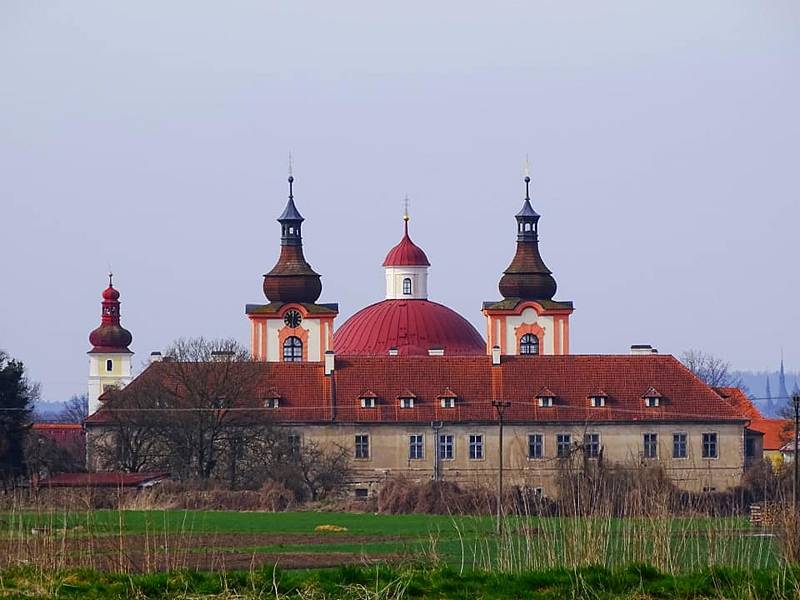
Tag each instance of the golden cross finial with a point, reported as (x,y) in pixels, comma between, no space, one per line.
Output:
(406,217)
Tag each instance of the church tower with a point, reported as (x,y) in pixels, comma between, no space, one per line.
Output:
(292,327)
(110,357)
(527,321)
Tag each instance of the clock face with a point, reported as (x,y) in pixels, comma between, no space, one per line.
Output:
(293,319)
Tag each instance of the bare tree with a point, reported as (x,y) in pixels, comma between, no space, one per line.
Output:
(711,369)
(210,393)
(132,434)
(75,410)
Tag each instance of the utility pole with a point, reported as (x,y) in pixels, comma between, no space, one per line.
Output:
(796,402)
(500,407)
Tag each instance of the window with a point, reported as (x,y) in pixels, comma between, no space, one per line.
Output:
(292,349)
(293,441)
(709,445)
(598,401)
(218,402)
(563,445)
(679,445)
(406,403)
(591,445)
(416,447)
(535,445)
(362,446)
(109,365)
(446,446)
(272,402)
(448,402)
(651,401)
(368,402)
(407,286)
(529,344)
(476,447)
(650,445)
(545,401)
(749,446)
(362,493)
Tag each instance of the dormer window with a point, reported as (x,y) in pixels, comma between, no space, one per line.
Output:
(406,399)
(546,398)
(407,286)
(368,399)
(652,398)
(597,399)
(273,402)
(447,399)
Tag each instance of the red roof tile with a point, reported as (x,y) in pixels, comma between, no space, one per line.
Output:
(739,401)
(307,392)
(110,479)
(777,432)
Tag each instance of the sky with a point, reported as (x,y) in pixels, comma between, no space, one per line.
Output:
(153,137)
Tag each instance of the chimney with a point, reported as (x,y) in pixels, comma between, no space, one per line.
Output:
(156,357)
(495,355)
(392,351)
(638,349)
(330,358)
(435,351)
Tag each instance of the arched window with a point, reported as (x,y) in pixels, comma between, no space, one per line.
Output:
(109,365)
(529,344)
(292,349)
(407,285)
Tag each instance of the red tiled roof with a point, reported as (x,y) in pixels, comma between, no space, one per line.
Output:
(57,427)
(411,326)
(307,392)
(110,479)
(739,401)
(777,432)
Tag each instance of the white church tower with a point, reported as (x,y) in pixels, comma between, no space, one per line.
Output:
(110,357)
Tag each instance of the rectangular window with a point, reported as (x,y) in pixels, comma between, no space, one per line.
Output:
(535,445)
(650,445)
(563,445)
(679,445)
(448,402)
(416,447)
(476,447)
(591,445)
(749,447)
(651,401)
(598,401)
(406,403)
(367,402)
(709,445)
(446,446)
(362,446)
(293,441)
(545,401)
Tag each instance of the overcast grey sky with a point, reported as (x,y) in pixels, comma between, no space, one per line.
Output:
(663,139)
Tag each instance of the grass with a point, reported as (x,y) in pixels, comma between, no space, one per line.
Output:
(636,582)
(674,543)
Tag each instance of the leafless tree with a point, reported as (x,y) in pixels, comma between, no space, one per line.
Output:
(75,410)
(210,394)
(132,429)
(711,369)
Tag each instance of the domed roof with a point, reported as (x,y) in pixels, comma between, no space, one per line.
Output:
(406,253)
(410,326)
(110,338)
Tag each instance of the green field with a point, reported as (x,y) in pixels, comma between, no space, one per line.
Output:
(206,554)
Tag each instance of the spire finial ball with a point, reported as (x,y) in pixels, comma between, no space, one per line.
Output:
(527,179)
(291,178)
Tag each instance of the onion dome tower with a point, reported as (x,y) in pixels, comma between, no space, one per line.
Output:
(292,327)
(110,357)
(528,321)
(406,323)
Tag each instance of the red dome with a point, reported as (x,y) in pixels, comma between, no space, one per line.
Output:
(110,293)
(406,254)
(411,326)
